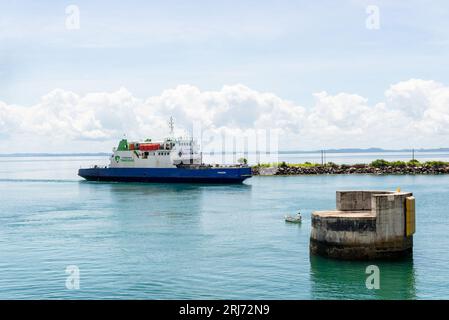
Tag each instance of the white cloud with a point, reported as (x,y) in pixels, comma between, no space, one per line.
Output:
(415,113)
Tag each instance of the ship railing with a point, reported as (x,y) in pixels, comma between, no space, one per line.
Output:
(94,166)
(237,165)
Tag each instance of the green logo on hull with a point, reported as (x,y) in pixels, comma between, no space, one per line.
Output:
(123,159)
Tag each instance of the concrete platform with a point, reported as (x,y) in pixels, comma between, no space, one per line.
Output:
(366,225)
(346,214)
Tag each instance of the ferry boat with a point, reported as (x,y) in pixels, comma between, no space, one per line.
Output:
(169,160)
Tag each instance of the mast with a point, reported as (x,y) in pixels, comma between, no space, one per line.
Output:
(171,125)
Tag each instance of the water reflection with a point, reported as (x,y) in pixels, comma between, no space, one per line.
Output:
(171,199)
(335,279)
(152,227)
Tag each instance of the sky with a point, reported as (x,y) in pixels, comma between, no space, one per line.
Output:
(79,75)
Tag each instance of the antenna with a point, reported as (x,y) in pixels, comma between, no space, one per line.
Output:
(171,125)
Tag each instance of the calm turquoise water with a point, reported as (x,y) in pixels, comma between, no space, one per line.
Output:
(160,241)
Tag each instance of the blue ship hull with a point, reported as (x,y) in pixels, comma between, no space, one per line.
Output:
(201,175)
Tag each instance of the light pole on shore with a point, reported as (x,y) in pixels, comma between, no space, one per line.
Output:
(323,157)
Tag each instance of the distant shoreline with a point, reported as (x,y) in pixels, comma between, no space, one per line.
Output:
(24,155)
(330,151)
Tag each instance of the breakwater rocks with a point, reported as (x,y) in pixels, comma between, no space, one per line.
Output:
(349,169)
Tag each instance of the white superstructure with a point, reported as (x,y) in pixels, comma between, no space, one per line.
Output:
(169,153)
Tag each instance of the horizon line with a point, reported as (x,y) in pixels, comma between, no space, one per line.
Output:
(339,150)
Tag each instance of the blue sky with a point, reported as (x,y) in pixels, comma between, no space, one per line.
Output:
(290,48)
(317,58)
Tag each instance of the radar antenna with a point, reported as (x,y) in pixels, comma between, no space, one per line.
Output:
(171,125)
